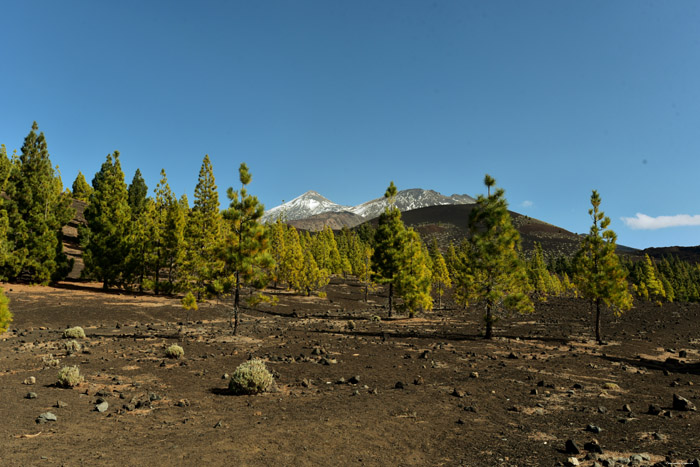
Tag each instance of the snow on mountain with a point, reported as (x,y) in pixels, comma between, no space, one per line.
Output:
(311,204)
(407,200)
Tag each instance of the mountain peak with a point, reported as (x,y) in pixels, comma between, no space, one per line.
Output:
(313,203)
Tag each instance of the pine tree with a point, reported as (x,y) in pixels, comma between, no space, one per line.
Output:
(168,245)
(141,243)
(81,189)
(37,209)
(202,231)
(599,274)
(105,238)
(245,251)
(5,313)
(440,276)
(388,239)
(413,283)
(540,279)
(649,287)
(490,271)
(291,267)
(138,191)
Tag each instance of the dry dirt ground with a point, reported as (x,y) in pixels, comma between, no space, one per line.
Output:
(351,390)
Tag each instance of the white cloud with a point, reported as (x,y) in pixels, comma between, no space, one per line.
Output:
(644,222)
(527,204)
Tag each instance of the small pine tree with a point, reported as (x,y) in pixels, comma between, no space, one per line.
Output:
(599,275)
(81,189)
(490,271)
(440,276)
(413,283)
(245,247)
(5,313)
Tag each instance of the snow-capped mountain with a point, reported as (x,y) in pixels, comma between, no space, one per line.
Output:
(407,200)
(311,204)
(307,205)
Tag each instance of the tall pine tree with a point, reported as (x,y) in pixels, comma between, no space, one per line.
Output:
(490,272)
(599,275)
(388,239)
(106,236)
(81,189)
(37,209)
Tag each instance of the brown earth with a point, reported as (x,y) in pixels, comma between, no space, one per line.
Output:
(514,400)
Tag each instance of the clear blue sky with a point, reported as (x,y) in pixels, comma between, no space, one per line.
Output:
(552,98)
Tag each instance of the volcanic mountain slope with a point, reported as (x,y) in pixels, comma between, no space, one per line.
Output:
(448,224)
(309,204)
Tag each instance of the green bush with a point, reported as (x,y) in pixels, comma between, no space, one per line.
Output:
(251,377)
(174,351)
(69,376)
(5,314)
(74,333)
(72,346)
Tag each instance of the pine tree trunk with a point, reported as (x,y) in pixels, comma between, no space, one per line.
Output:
(236,301)
(597,321)
(366,291)
(489,322)
(391,296)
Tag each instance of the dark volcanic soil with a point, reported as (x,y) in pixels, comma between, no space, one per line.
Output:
(514,400)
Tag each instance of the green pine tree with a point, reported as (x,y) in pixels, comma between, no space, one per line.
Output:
(81,189)
(5,313)
(490,271)
(245,249)
(414,277)
(105,238)
(37,208)
(440,276)
(138,191)
(388,240)
(599,275)
(202,231)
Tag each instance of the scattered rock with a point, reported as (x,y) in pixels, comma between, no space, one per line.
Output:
(305,383)
(419,381)
(626,408)
(154,397)
(602,409)
(474,374)
(571,448)
(654,409)
(46,417)
(218,424)
(682,404)
(424,354)
(683,354)
(512,356)
(183,403)
(457,393)
(327,361)
(611,386)
(102,406)
(593,447)
(578,386)
(659,436)
(29,381)
(593,429)
(60,405)
(31,395)
(534,392)
(354,379)
(571,461)
(399,385)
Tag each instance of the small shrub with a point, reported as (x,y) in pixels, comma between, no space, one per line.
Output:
(376,319)
(351,325)
(72,346)
(50,361)
(74,333)
(5,314)
(251,377)
(69,376)
(174,351)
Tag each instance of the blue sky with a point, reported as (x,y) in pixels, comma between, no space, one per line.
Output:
(552,98)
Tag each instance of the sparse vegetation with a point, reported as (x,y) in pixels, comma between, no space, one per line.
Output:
(69,376)
(251,377)
(75,332)
(5,313)
(174,351)
(72,346)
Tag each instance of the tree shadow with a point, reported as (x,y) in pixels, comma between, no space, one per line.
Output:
(671,365)
(448,336)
